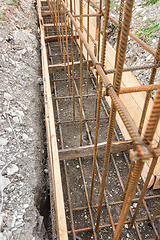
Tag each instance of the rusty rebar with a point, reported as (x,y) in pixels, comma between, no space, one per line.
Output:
(142,150)
(81,69)
(156,212)
(88,43)
(59,31)
(151,81)
(98,50)
(69,78)
(118,35)
(87,197)
(64,56)
(72,45)
(118,75)
(148,137)
(128,178)
(139,88)
(103,54)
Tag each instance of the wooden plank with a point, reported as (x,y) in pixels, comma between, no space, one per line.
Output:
(48,25)
(47,13)
(60,67)
(55,38)
(85,151)
(52,141)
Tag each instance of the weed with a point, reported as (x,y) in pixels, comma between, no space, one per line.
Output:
(16,2)
(114,4)
(152,2)
(148,33)
(2,16)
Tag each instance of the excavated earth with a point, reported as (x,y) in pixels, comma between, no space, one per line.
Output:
(24,193)
(24,173)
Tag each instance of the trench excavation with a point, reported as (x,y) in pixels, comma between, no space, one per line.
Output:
(97,184)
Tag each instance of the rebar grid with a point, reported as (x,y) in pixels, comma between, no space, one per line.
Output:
(141,150)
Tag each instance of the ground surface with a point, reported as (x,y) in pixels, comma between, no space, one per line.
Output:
(23,168)
(146,25)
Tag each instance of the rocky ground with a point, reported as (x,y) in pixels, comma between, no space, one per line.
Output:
(146,25)
(23,168)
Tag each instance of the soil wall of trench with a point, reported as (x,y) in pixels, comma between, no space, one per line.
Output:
(24,188)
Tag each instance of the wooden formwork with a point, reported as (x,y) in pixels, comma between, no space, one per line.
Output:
(133,103)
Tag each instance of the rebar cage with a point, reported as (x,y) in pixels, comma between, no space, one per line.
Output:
(103,195)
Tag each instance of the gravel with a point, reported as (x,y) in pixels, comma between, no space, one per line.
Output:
(23,183)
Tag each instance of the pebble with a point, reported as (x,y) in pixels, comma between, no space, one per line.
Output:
(12,169)
(16,119)
(134,205)
(8,96)
(18,222)
(126,225)
(22,83)
(19,216)
(25,137)
(3,141)
(8,129)
(26,206)
(46,170)
(5,182)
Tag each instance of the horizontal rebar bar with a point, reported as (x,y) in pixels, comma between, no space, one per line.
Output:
(114,203)
(129,69)
(109,225)
(83,120)
(66,97)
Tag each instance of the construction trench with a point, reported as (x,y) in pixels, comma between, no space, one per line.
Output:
(98,173)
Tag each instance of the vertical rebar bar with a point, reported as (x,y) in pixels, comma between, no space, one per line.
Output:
(59,30)
(81,68)
(153,74)
(128,178)
(148,137)
(98,50)
(69,77)
(119,34)
(76,33)
(118,75)
(88,1)
(63,37)
(72,45)
(156,212)
(103,54)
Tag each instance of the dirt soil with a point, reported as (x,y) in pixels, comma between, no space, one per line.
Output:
(146,25)
(24,188)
